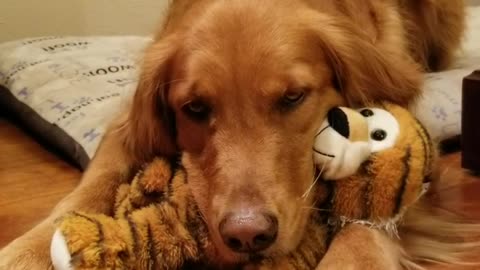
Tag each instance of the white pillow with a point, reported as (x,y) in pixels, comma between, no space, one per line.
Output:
(69,86)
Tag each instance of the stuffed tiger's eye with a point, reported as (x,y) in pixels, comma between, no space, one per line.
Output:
(379,135)
(367,113)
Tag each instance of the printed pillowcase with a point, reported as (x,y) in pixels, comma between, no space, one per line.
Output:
(67,89)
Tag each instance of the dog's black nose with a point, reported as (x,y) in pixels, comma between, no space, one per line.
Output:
(338,120)
(248,232)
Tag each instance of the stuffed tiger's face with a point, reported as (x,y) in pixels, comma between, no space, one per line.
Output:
(382,150)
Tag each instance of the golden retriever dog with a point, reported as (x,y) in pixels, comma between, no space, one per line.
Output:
(239,88)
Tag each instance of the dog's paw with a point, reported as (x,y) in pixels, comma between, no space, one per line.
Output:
(59,252)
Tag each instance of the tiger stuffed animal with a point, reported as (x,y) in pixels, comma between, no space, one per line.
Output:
(377,167)
(373,163)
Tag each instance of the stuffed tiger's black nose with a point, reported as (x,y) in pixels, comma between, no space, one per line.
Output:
(338,120)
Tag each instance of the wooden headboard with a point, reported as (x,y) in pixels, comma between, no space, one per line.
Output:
(27,18)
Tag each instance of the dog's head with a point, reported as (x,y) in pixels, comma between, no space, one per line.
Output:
(240,92)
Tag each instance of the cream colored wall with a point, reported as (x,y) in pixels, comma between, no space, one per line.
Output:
(30,18)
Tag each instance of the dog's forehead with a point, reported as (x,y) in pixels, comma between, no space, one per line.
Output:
(247,42)
(212,76)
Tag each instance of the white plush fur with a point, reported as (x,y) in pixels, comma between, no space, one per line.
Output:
(59,252)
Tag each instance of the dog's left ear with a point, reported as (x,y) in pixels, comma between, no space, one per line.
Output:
(149,129)
(362,72)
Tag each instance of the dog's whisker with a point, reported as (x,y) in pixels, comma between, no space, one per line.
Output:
(316,209)
(200,215)
(307,192)
(204,218)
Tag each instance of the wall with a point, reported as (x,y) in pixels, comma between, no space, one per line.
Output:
(29,18)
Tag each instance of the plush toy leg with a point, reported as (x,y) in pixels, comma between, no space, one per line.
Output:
(357,247)
(91,242)
(153,237)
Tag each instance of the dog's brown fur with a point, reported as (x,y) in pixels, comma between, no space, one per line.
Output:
(240,58)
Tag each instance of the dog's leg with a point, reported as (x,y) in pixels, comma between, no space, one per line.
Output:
(357,247)
(96,192)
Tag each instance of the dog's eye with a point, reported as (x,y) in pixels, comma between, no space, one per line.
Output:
(197,110)
(292,98)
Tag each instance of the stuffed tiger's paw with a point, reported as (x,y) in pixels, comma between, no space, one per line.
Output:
(59,252)
(84,241)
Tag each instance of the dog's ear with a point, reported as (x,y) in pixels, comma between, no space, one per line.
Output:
(362,73)
(149,128)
